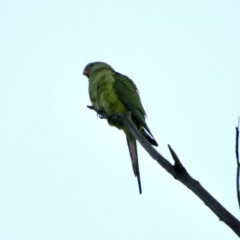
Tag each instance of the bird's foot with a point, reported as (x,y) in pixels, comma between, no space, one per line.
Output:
(99,114)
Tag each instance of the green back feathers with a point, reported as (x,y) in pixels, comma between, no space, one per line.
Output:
(127,93)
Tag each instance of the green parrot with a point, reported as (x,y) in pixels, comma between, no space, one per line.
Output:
(115,93)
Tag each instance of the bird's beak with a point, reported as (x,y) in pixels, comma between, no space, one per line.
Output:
(85,72)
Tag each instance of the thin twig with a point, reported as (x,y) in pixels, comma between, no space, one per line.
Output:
(238,163)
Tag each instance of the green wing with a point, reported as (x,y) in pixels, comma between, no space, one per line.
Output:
(127,93)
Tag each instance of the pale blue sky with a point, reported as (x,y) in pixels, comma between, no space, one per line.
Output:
(64,174)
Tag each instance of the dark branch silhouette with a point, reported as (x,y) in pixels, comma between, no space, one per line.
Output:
(177,170)
(238,163)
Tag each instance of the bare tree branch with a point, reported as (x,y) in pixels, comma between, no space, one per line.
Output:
(177,170)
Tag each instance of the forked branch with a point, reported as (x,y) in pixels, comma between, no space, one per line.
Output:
(177,170)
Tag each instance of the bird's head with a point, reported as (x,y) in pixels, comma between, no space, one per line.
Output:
(95,66)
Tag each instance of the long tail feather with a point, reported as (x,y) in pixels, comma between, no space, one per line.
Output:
(132,146)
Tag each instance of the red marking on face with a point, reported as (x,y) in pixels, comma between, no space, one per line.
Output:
(85,72)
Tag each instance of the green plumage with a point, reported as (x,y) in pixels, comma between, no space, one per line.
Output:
(115,93)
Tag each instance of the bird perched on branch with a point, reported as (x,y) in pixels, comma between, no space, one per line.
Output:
(115,93)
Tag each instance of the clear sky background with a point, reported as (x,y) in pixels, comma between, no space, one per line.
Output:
(64,173)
